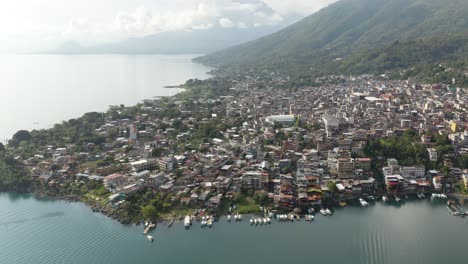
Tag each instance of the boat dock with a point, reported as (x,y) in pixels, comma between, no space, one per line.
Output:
(148,228)
(456,209)
(172,222)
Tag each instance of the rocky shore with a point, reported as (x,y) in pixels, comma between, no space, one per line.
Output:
(115,213)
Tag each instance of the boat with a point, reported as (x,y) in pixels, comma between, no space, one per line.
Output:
(443,196)
(150,238)
(363,202)
(264,220)
(256,221)
(323,211)
(311,217)
(187,221)
(229,218)
(291,217)
(251,221)
(422,195)
(384,198)
(239,217)
(209,222)
(268,219)
(203,223)
(328,211)
(397,199)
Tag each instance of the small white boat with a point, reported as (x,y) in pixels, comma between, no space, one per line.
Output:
(239,217)
(323,211)
(256,221)
(187,221)
(150,238)
(209,222)
(397,199)
(265,220)
(203,223)
(443,196)
(384,198)
(363,202)
(328,211)
(229,218)
(251,221)
(311,217)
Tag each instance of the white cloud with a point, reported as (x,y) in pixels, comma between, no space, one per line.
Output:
(204,15)
(298,7)
(91,21)
(203,27)
(226,23)
(241,25)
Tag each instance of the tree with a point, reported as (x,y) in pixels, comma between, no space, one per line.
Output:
(332,186)
(2,147)
(21,135)
(149,212)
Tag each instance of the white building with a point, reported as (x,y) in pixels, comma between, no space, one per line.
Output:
(432,154)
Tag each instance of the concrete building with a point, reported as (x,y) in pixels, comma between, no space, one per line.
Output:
(331,125)
(432,154)
(252,179)
(285,120)
(144,164)
(345,168)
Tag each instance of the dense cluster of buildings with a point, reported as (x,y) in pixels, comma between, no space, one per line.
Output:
(293,149)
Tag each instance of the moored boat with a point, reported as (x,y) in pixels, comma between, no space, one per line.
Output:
(209,222)
(363,202)
(187,221)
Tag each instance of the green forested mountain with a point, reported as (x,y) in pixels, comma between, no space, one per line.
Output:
(362,32)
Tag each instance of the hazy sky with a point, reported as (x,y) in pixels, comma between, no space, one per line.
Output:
(38,24)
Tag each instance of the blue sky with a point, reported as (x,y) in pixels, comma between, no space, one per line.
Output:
(27,25)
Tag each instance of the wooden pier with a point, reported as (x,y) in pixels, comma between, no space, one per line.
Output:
(172,222)
(148,228)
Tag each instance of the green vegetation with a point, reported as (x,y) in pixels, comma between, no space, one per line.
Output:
(149,212)
(409,151)
(370,36)
(246,205)
(13,177)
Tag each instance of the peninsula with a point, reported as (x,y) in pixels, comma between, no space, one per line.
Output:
(250,143)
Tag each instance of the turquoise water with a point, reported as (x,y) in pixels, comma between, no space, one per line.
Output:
(38,231)
(37,91)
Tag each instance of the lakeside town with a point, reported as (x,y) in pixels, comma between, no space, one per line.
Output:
(248,145)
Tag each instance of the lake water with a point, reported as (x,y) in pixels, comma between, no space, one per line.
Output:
(37,91)
(49,232)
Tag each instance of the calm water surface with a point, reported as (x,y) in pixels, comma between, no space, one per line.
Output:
(49,232)
(37,91)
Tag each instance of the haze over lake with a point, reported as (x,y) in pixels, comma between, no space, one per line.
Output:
(37,91)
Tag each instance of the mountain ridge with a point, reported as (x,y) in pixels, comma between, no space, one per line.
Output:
(350,27)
